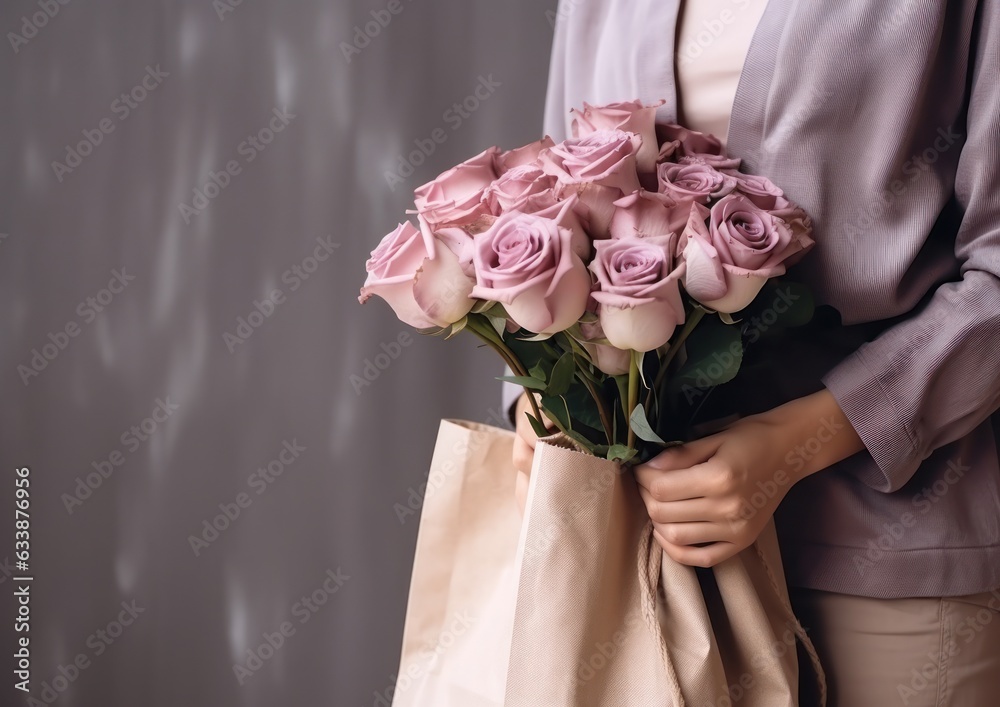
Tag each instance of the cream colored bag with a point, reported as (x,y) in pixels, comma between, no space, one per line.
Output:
(577,606)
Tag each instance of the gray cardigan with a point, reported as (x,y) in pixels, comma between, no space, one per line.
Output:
(883,121)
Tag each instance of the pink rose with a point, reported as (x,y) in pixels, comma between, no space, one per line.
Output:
(632,117)
(742,247)
(419,277)
(637,291)
(644,214)
(677,141)
(693,182)
(720,162)
(522,155)
(608,359)
(528,263)
(600,168)
(764,193)
(524,188)
(455,198)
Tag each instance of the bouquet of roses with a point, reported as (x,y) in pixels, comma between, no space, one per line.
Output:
(615,272)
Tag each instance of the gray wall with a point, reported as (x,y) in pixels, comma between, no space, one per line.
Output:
(159,341)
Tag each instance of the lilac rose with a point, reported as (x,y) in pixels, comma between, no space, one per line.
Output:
(741,248)
(764,193)
(420,277)
(600,168)
(693,181)
(525,188)
(644,214)
(528,262)
(638,291)
(455,198)
(631,116)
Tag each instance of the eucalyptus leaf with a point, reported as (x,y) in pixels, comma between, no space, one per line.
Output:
(642,428)
(538,372)
(536,425)
(558,410)
(523,381)
(714,355)
(499,324)
(581,440)
(621,453)
(582,407)
(457,327)
(562,375)
(536,337)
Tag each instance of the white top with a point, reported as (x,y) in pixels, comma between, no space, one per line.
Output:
(713,38)
(606,51)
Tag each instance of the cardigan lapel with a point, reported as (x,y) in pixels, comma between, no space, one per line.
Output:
(748,122)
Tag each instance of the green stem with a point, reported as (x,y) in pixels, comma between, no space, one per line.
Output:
(633,395)
(605,422)
(696,316)
(496,342)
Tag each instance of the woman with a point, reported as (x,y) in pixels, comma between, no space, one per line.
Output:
(876,431)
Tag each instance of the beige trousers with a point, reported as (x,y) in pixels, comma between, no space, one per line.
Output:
(906,652)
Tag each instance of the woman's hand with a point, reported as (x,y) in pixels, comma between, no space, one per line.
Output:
(524,448)
(711,498)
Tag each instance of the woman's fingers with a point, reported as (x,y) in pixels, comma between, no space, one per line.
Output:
(694,556)
(521,490)
(687,511)
(692,533)
(679,484)
(524,452)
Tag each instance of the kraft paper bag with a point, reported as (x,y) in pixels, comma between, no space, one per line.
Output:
(576,605)
(460,613)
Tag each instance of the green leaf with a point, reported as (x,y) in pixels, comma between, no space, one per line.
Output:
(499,324)
(780,304)
(558,410)
(582,407)
(536,337)
(536,425)
(538,372)
(649,366)
(562,375)
(528,353)
(457,327)
(641,427)
(432,331)
(621,453)
(523,381)
(637,358)
(714,355)
(582,441)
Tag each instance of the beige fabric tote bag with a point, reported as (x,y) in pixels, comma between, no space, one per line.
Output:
(576,605)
